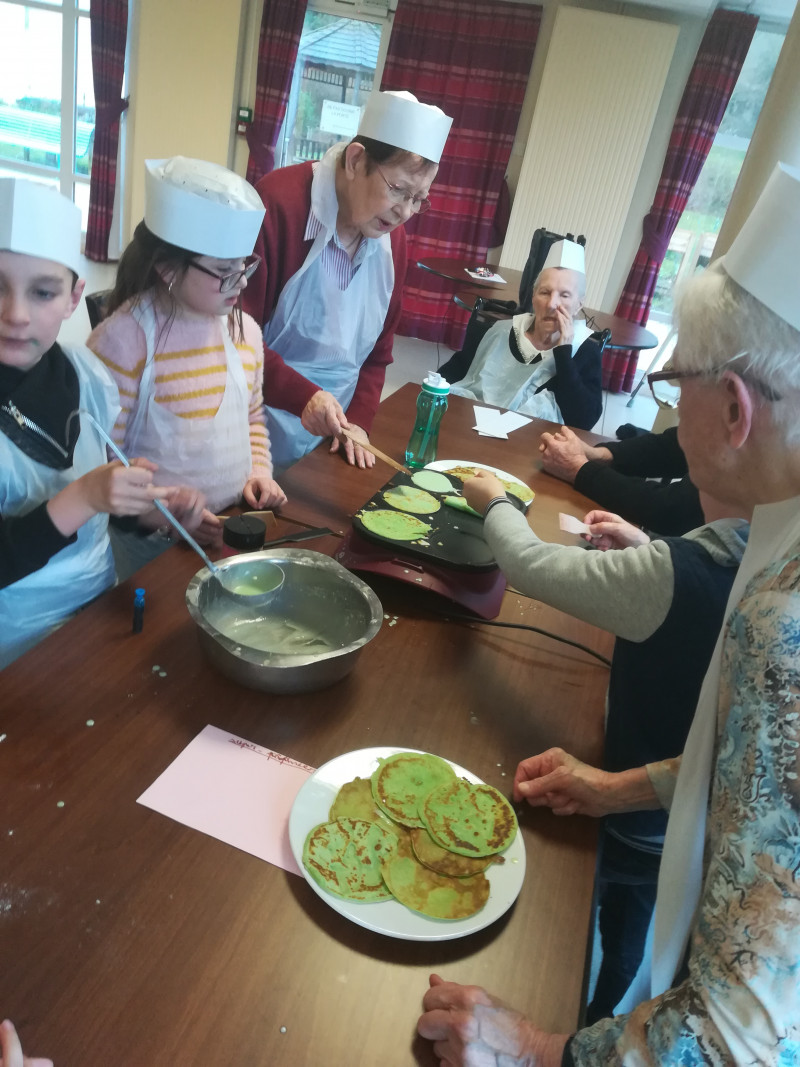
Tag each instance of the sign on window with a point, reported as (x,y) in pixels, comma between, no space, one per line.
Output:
(338,118)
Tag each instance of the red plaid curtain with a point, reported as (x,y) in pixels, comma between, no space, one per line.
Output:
(708,90)
(109,29)
(281,27)
(472,59)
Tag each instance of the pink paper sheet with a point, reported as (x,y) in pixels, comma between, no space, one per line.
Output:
(233,790)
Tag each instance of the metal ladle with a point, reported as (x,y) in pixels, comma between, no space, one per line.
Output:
(253,588)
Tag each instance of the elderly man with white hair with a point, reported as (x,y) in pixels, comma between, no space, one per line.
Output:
(545,362)
(724,982)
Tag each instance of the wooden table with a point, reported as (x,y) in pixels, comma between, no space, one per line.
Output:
(131,940)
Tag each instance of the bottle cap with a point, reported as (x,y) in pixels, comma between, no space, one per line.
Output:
(245,533)
(435,383)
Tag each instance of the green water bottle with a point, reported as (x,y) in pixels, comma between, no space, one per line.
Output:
(431,405)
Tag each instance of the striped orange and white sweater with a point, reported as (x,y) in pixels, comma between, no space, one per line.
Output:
(190,371)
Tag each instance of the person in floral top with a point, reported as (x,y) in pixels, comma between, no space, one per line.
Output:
(724,986)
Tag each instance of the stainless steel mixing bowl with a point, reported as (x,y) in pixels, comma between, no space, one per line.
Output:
(307,636)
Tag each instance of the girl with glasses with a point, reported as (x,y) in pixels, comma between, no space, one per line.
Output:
(187,360)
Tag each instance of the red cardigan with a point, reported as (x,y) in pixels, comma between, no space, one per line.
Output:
(287,197)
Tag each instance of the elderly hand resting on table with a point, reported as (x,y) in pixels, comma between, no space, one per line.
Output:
(556,780)
(470,1028)
(324,416)
(564,453)
(12,1050)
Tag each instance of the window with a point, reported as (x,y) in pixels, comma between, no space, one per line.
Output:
(692,244)
(338,60)
(46,94)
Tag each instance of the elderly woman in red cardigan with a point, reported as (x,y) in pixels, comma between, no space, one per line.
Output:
(334,260)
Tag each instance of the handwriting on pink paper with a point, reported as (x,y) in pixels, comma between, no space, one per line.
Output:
(269,754)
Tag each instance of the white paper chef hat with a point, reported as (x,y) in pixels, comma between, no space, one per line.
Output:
(763,255)
(37,220)
(399,119)
(566,254)
(201,206)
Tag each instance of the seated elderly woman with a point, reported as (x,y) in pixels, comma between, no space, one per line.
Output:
(545,364)
(723,982)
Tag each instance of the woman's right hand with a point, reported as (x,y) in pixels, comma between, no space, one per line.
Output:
(607,530)
(323,415)
(12,1050)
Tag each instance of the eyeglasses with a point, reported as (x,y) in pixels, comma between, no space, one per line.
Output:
(673,378)
(419,204)
(230,281)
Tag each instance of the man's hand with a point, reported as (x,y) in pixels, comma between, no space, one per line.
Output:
(354,453)
(563,454)
(470,1028)
(607,530)
(478,491)
(323,415)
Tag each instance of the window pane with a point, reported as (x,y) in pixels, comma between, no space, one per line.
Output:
(81,198)
(692,244)
(333,77)
(30,85)
(83,5)
(84,101)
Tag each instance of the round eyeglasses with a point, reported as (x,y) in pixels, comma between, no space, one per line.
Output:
(230,281)
(419,204)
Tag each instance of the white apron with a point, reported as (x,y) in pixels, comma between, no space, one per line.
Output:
(325,333)
(212,455)
(495,377)
(37,603)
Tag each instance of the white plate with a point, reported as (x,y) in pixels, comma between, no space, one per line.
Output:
(312,806)
(447,464)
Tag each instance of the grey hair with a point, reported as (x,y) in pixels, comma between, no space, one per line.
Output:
(723,327)
(581,280)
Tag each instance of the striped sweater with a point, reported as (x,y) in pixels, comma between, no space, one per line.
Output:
(190,371)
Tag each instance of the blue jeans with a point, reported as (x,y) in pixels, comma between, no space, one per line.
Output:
(627,883)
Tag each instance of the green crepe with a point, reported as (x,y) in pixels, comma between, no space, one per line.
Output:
(408,498)
(429,893)
(402,782)
(432,481)
(394,525)
(344,858)
(472,820)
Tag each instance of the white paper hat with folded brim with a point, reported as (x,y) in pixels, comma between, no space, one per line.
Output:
(399,119)
(201,207)
(763,255)
(36,220)
(568,255)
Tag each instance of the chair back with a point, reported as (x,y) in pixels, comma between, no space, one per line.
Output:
(96,306)
(540,245)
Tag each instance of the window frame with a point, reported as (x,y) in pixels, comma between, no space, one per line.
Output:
(71,12)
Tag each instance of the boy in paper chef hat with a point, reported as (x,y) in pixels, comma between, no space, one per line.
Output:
(188,362)
(56,488)
(543,363)
(723,983)
(335,255)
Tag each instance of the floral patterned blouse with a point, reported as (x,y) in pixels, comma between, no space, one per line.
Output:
(740,1003)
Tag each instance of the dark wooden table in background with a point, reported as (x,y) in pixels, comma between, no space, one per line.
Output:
(624,334)
(131,940)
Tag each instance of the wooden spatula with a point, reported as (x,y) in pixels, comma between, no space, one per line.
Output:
(375,451)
